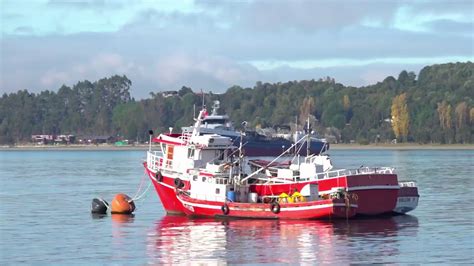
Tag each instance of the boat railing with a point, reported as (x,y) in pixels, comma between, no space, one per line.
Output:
(334,174)
(407,184)
(156,161)
(358,171)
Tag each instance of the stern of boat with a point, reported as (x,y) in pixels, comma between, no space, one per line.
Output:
(407,197)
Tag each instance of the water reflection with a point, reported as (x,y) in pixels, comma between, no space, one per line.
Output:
(122,230)
(177,239)
(118,219)
(98,216)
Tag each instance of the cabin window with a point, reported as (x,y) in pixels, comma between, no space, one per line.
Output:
(218,191)
(191,153)
(219,154)
(215,121)
(169,152)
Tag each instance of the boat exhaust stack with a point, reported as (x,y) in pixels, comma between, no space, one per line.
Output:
(150,133)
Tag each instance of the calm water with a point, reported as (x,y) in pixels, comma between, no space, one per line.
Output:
(45,219)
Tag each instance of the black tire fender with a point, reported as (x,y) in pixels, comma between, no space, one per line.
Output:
(225,209)
(159,176)
(275,207)
(178,183)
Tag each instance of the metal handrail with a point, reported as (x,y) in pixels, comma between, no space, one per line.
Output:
(155,161)
(407,184)
(335,174)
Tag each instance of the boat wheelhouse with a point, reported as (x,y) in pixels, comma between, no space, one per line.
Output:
(182,158)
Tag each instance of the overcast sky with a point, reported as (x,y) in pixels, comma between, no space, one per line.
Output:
(212,45)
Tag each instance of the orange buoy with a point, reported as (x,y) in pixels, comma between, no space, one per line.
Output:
(122,204)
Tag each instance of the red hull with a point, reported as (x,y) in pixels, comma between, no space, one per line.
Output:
(167,193)
(377,193)
(321,209)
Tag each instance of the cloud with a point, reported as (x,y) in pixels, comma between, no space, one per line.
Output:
(96,67)
(214,45)
(310,16)
(85,4)
(451,27)
(24,30)
(207,72)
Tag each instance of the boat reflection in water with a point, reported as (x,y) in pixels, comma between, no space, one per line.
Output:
(178,239)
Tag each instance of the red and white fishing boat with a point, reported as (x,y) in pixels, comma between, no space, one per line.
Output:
(188,163)
(376,188)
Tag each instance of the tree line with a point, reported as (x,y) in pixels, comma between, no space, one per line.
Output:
(434,107)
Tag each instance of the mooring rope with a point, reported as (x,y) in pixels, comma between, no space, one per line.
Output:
(347,203)
(140,186)
(144,192)
(105,203)
(137,197)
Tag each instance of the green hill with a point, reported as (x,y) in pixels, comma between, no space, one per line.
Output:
(434,107)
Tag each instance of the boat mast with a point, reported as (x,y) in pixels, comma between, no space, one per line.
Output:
(197,124)
(241,152)
(308,138)
(295,135)
(270,163)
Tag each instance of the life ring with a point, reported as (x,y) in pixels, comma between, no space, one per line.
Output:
(178,183)
(225,209)
(275,208)
(159,176)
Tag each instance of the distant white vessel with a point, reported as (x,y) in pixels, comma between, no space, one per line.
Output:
(254,144)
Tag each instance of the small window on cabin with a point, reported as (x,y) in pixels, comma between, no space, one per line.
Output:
(221,155)
(218,191)
(191,153)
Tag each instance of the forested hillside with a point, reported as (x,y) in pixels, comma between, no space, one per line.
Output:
(434,107)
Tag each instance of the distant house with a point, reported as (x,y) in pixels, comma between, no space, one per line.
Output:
(52,139)
(42,139)
(67,139)
(96,139)
(167,94)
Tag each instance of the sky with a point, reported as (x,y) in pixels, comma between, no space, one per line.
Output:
(213,45)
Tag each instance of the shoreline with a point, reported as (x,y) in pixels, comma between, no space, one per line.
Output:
(401,146)
(107,147)
(74,147)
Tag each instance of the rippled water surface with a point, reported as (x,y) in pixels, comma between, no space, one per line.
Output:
(45,198)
